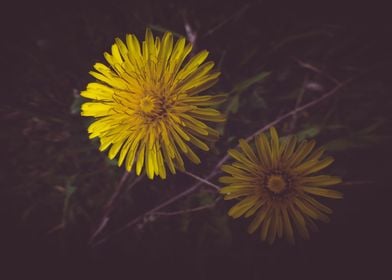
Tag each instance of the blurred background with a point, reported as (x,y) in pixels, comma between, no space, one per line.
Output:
(274,56)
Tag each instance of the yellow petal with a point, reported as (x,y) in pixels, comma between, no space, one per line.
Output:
(240,208)
(288,229)
(265,227)
(264,150)
(318,166)
(260,216)
(323,192)
(299,222)
(95,109)
(309,210)
(273,228)
(316,204)
(140,158)
(247,150)
(303,150)
(320,181)
(255,207)
(290,147)
(275,150)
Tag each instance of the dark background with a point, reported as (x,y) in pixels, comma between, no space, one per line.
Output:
(47,50)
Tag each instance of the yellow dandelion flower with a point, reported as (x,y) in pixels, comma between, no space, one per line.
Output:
(147,104)
(276,185)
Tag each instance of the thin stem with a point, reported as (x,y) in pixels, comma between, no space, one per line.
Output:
(353,183)
(289,114)
(298,103)
(196,209)
(216,187)
(315,69)
(110,204)
(228,19)
(154,209)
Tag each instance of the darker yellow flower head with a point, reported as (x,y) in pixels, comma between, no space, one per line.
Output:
(147,105)
(276,185)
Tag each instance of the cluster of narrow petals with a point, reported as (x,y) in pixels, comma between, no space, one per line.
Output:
(149,113)
(277,185)
(147,105)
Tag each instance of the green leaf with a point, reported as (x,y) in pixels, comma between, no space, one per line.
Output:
(164,29)
(111,162)
(257,101)
(339,144)
(75,106)
(185,222)
(296,37)
(70,189)
(234,102)
(372,127)
(205,198)
(309,132)
(244,85)
(233,105)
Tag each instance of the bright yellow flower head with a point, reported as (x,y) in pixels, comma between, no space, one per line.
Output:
(147,104)
(276,187)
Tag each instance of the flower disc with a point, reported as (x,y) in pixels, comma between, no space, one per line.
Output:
(275,185)
(147,104)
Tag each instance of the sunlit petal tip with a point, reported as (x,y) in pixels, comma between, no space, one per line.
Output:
(273,133)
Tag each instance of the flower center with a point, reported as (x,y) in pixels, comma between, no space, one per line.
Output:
(154,108)
(147,104)
(276,184)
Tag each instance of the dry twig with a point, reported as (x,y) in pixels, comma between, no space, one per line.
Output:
(110,204)
(196,209)
(216,187)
